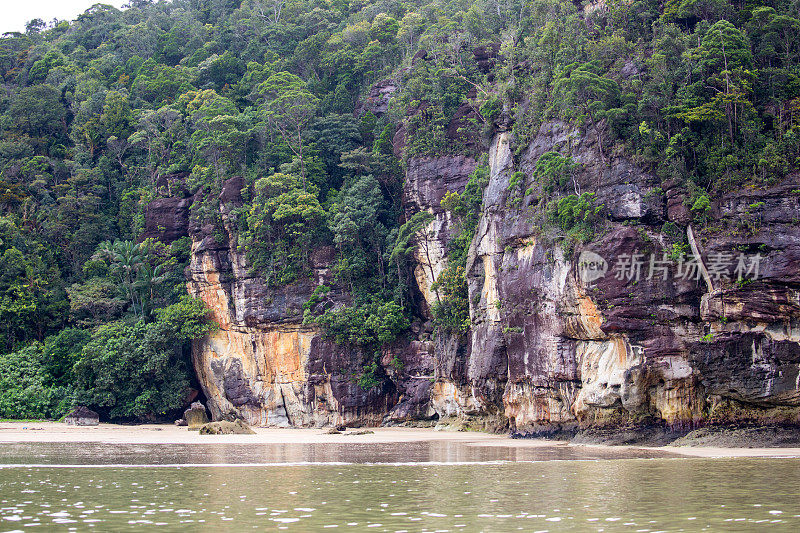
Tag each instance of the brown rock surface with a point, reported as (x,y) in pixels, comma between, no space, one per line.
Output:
(226,428)
(82,416)
(378,98)
(262,364)
(549,350)
(546,349)
(195,416)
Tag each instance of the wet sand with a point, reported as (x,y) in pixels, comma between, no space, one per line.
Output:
(164,434)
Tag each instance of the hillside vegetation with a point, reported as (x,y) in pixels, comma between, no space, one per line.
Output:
(102,115)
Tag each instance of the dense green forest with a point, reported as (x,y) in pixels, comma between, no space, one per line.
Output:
(97,112)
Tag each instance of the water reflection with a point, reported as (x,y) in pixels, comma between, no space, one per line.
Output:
(359,453)
(610,495)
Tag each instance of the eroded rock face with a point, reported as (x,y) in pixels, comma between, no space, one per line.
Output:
(167,219)
(225,427)
(263,365)
(428,180)
(195,416)
(549,349)
(378,98)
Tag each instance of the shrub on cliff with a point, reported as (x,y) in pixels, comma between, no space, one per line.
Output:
(577,215)
(187,319)
(283,223)
(452,312)
(371,325)
(555,171)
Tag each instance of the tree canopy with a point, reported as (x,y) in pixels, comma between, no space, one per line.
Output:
(317,107)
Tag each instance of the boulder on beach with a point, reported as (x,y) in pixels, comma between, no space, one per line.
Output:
(82,416)
(226,428)
(195,416)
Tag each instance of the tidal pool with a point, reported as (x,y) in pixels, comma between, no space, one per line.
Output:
(389,487)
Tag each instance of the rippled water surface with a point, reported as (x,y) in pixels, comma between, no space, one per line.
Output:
(389,487)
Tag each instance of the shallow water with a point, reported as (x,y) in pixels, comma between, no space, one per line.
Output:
(420,486)
(439,451)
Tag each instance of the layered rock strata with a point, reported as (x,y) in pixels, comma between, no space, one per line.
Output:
(263,364)
(547,348)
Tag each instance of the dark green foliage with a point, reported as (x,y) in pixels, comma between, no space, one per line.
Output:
(32,304)
(38,111)
(126,371)
(25,388)
(60,353)
(700,208)
(583,88)
(333,136)
(283,223)
(434,90)
(371,325)
(141,370)
(372,375)
(491,108)
(407,238)
(554,171)
(132,371)
(38,381)
(359,234)
(186,320)
(578,216)
(105,114)
(452,312)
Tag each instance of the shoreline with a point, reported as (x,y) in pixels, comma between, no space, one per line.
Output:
(165,434)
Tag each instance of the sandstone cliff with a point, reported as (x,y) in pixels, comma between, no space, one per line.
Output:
(546,348)
(263,364)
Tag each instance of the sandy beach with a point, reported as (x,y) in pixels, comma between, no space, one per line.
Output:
(54,432)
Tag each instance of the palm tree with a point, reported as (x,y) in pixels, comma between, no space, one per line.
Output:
(126,259)
(148,279)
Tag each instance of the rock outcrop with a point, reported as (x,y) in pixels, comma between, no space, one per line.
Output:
(428,180)
(195,416)
(548,347)
(264,365)
(167,219)
(225,427)
(82,416)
